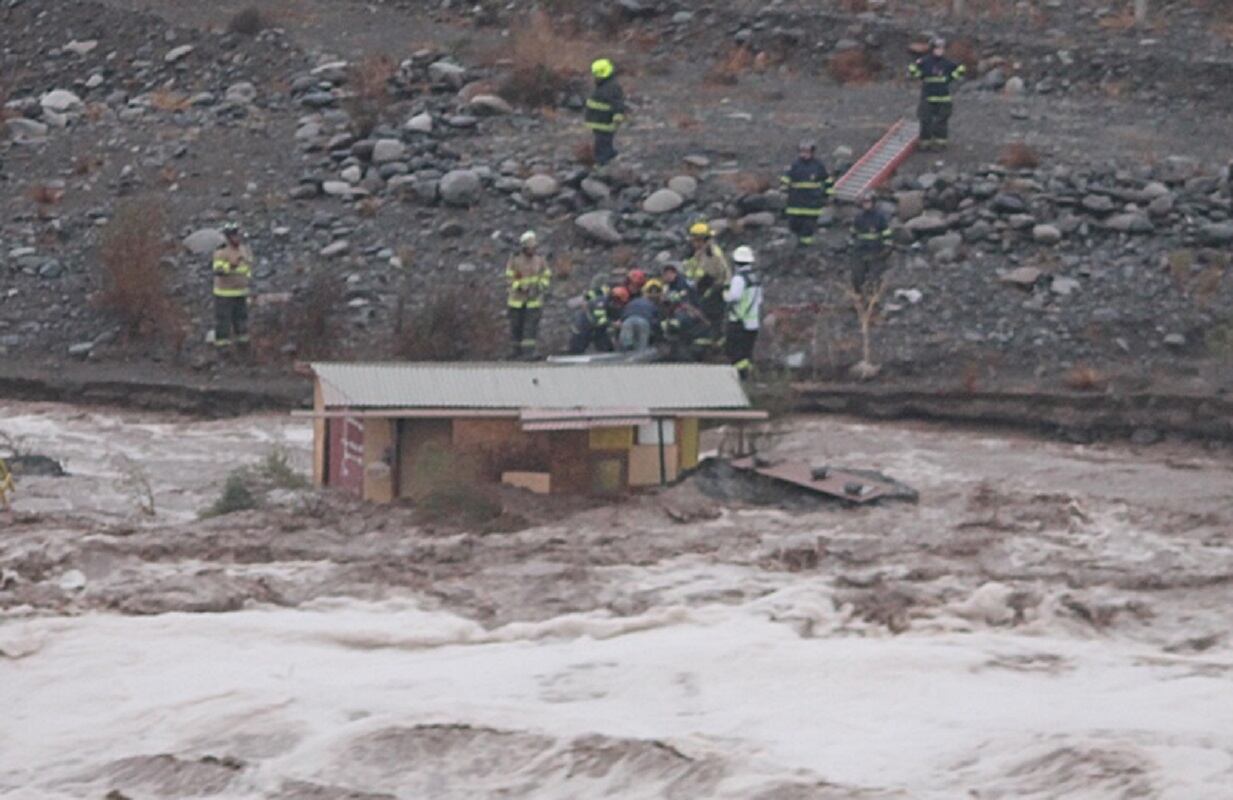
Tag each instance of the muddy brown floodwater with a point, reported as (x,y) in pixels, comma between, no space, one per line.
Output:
(1050,620)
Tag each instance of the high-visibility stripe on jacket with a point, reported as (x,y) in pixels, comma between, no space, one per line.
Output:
(710,261)
(808,185)
(233,271)
(872,231)
(744,298)
(529,278)
(605,107)
(936,74)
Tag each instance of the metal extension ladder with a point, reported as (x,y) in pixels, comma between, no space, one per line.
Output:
(880,162)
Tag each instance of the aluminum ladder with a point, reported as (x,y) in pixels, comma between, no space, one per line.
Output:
(880,162)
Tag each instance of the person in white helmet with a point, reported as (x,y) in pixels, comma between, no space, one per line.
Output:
(744,299)
(529,277)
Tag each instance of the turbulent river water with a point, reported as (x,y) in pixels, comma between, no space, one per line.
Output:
(1049,621)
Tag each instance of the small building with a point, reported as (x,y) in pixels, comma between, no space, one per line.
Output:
(391,430)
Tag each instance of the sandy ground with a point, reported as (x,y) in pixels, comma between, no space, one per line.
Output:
(1049,621)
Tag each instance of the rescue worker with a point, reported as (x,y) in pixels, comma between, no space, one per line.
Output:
(591,323)
(714,308)
(233,273)
(871,248)
(688,333)
(936,73)
(744,298)
(676,288)
(635,279)
(529,277)
(6,485)
(808,185)
(641,318)
(605,110)
(706,257)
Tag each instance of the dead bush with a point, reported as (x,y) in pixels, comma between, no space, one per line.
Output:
(584,152)
(853,66)
(133,280)
(1085,378)
(965,52)
(545,62)
(44,195)
(747,182)
(248,22)
(1018,155)
(313,320)
(167,100)
(728,68)
(455,323)
(368,81)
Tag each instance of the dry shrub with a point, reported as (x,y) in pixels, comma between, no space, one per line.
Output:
(584,152)
(167,100)
(368,207)
(853,66)
(1206,286)
(44,194)
(1085,378)
(965,52)
(563,266)
(455,323)
(313,320)
(248,22)
(1018,155)
(369,83)
(728,68)
(545,61)
(747,182)
(134,283)
(86,164)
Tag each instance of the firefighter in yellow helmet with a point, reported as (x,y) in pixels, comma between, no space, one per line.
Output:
(605,110)
(707,268)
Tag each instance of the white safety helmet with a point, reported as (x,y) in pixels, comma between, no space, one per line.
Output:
(743,255)
(528,239)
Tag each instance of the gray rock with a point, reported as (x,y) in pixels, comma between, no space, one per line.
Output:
(317,99)
(1161,206)
(1155,189)
(1216,233)
(599,226)
(947,245)
(684,185)
(662,201)
(595,189)
(489,104)
(1175,340)
(909,205)
(1098,204)
(352,174)
(1014,86)
(81,349)
(927,225)
(81,48)
(177,53)
(758,219)
(1024,277)
(446,73)
(1047,234)
(385,150)
(242,93)
(337,188)
(460,187)
(462,121)
(699,161)
(540,186)
(204,241)
(51,269)
(420,123)
(1063,286)
(1008,204)
(335,249)
(60,101)
(308,131)
(1130,222)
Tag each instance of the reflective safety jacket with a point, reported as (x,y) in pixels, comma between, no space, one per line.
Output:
(872,232)
(233,271)
(711,262)
(808,185)
(936,73)
(529,278)
(688,324)
(744,298)
(680,290)
(605,106)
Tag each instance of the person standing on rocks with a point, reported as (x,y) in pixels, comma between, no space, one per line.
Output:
(529,277)
(233,273)
(936,73)
(706,257)
(808,185)
(605,110)
(744,298)
(871,233)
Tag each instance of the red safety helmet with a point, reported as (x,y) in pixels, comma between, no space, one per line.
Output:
(636,278)
(620,294)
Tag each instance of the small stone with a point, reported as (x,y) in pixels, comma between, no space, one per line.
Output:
(1216,233)
(909,205)
(1023,277)
(1063,286)
(1047,234)
(600,226)
(489,104)
(352,174)
(698,161)
(420,123)
(684,185)
(177,53)
(758,219)
(927,225)
(81,349)
(337,188)
(662,201)
(60,100)
(460,187)
(1014,86)
(81,48)
(1130,222)
(1176,340)
(51,269)
(242,93)
(1097,204)
(540,186)
(335,249)
(386,150)
(445,73)
(595,189)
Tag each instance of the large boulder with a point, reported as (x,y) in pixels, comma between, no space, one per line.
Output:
(910,205)
(204,241)
(662,201)
(599,226)
(927,225)
(460,187)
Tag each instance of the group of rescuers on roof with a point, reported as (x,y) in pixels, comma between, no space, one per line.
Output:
(699,309)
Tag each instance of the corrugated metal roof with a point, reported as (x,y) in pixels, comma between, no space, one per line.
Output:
(579,419)
(538,385)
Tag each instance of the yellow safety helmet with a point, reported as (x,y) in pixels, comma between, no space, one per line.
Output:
(700,229)
(652,286)
(602,68)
